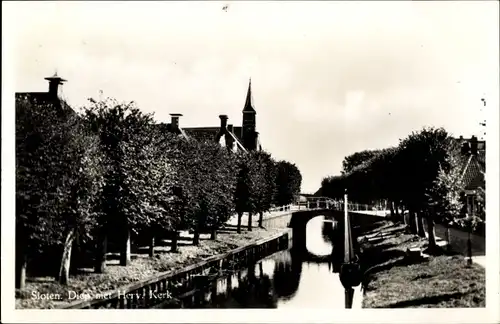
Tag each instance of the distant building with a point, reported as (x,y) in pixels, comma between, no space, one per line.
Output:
(51,97)
(237,138)
(473,171)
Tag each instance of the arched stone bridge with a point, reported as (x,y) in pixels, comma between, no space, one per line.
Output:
(361,216)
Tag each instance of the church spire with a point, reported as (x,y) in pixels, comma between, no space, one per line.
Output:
(249,107)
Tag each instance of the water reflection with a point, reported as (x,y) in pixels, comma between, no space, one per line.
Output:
(281,280)
(318,236)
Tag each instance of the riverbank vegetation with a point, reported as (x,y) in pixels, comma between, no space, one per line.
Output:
(394,281)
(110,179)
(421,178)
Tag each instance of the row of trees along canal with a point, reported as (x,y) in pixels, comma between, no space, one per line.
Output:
(423,175)
(110,173)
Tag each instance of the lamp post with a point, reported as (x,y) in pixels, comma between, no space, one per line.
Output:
(350,272)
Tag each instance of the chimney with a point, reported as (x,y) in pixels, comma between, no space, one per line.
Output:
(473,145)
(54,82)
(223,121)
(175,121)
(230,127)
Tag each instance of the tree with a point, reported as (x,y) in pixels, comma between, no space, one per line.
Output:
(208,186)
(58,176)
(124,133)
(219,187)
(288,183)
(41,134)
(444,197)
(334,186)
(152,180)
(266,185)
(422,153)
(356,159)
(83,182)
(385,185)
(245,186)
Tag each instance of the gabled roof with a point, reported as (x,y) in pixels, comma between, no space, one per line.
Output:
(44,98)
(164,127)
(202,134)
(474,172)
(209,134)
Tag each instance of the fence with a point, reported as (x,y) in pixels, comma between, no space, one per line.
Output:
(328,203)
(178,282)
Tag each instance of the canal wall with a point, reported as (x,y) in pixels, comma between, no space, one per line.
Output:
(278,221)
(158,289)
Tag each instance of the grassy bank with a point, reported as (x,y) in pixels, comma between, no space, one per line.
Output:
(442,281)
(141,267)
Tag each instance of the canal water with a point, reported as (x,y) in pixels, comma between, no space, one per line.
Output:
(281,280)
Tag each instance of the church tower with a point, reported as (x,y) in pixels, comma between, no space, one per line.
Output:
(249,134)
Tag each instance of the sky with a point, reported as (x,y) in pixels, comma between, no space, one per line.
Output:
(329,78)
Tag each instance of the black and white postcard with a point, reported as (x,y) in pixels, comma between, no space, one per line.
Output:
(250,161)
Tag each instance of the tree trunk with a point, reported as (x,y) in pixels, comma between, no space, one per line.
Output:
(152,246)
(21,265)
(63,275)
(432,233)
(261,218)
(469,248)
(76,256)
(448,237)
(249,227)
(251,273)
(125,253)
(174,246)
(261,270)
(238,228)
(213,234)
(412,218)
(196,235)
(101,250)
(420,224)
(403,209)
(229,285)
(391,207)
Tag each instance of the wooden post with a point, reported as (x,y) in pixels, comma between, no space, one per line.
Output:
(152,247)
(469,248)
(349,296)
(347,233)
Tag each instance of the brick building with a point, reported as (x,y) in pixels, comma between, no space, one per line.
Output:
(237,138)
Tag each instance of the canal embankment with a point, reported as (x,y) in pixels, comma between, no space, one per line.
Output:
(399,275)
(147,278)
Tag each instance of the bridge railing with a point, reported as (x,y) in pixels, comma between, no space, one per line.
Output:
(329,203)
(281,208)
